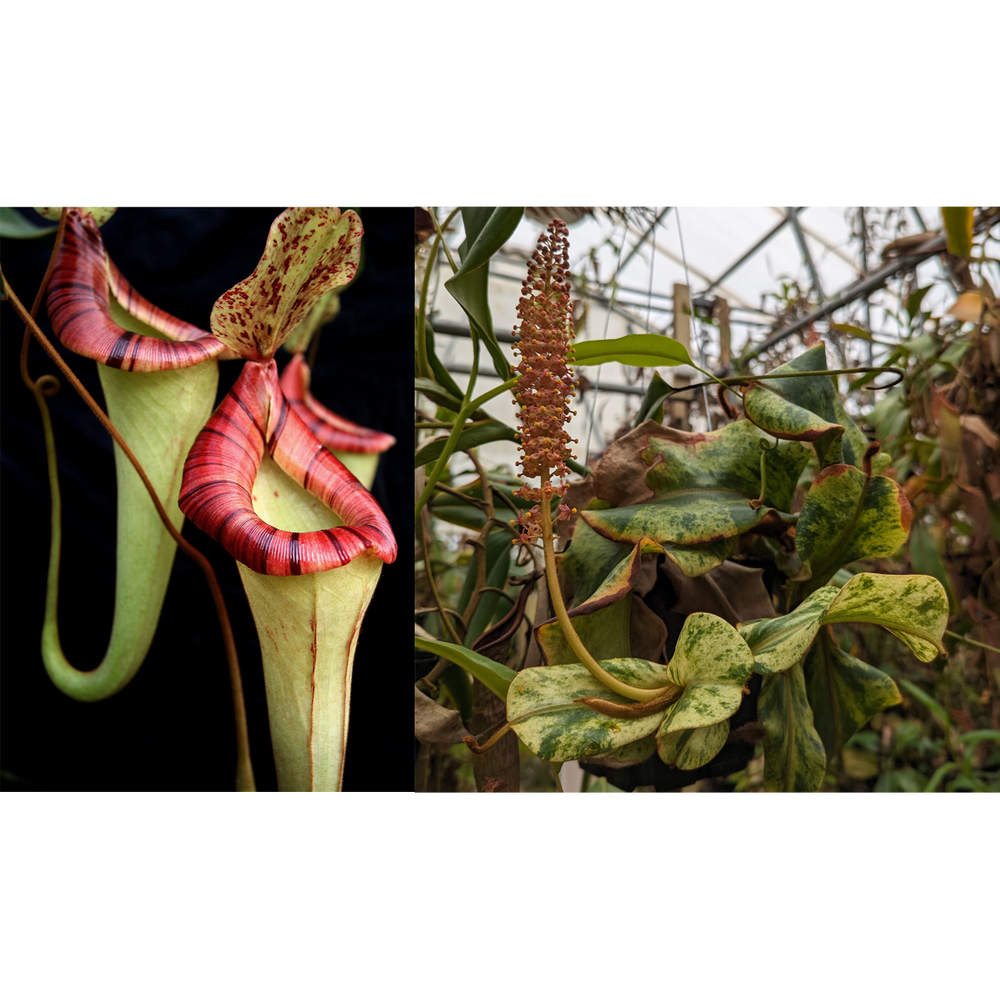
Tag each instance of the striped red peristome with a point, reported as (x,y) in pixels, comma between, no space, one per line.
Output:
(82,281)
(335,432)
(216,492)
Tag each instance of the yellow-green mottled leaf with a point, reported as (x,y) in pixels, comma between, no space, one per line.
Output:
(687,518)
(847,517)
(794,758)
(712,663)
(696,560)
(844,692)
(913,608)
(643,350)
(958,230)
(632,753)
(727,459)
(543,709)
(769,410)
(779,643)
(703,486)
(692,748)
(808,408)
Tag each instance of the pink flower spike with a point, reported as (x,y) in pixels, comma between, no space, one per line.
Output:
(216,492)
(333,431)
(79,307)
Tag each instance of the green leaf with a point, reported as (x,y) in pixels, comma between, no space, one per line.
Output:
(472,437)
(844,692)
(912,608)
(846,517)
(14,226)
(936,709)
(443,397)
(768,409)
(794,758)
(643,350)
(958,230)
(914,299)
(780,643)
(851,331)
(651,407)
(498,555)
(486,231)
(543,709)
(494,675)
(441,374)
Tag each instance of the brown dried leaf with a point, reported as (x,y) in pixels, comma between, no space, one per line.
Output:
(433,723)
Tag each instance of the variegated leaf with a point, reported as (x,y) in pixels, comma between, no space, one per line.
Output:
(727,459)
(809,409)
(844,692)
(689,518)
(712,663)
(543,709)
(692,748)
(779,643)
(703,484)
(847,516)
(794,757)
(913,608)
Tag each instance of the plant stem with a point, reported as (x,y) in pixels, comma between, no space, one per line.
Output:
(574,640)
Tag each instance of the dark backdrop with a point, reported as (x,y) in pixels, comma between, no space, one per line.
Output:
(171,728)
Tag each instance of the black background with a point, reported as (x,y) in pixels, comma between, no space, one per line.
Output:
(171,728)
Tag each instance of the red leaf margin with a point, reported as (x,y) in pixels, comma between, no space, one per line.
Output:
(217,486)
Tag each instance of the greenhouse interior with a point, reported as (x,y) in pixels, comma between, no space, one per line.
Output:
(707,499)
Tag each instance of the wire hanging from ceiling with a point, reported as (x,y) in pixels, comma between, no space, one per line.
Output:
(694,321)
(607,320)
